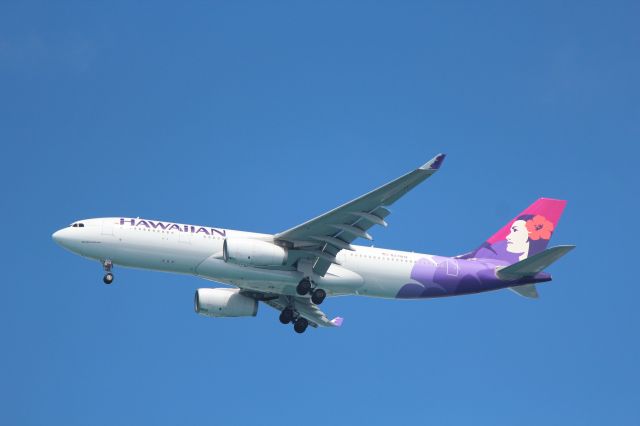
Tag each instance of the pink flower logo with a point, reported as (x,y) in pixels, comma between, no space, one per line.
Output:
(539,227)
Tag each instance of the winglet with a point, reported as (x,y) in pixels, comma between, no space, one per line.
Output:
(434,163)
(337,321)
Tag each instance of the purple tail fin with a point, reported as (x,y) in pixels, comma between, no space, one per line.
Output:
(525,235)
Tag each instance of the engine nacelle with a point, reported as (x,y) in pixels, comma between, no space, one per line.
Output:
(250,252)
(224,302)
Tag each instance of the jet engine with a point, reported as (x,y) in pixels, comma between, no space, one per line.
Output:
(250,252)
(224,302)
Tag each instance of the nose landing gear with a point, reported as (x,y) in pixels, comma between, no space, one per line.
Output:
(107,265)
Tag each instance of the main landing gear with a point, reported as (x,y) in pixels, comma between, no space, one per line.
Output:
(305,286)
(318,295)
(288,315)
(300,325)
(108,277)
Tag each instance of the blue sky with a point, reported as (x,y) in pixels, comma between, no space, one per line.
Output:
(261,115)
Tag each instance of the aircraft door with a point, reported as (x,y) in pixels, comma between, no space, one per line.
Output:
(452,267)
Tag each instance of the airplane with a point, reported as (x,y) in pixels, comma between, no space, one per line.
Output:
(295,270)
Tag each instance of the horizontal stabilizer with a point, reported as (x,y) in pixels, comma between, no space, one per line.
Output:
(534,264)
(527,290)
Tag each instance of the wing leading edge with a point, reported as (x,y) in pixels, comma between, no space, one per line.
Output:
(321,238)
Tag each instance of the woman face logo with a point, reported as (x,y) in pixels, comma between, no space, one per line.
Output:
(518,238)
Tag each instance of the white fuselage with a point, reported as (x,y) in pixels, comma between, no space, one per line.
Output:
(195,250)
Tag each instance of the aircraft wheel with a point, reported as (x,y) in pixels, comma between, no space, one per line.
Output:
(286,316)
(303,286)
(300,325)
(318,295)
(108,278)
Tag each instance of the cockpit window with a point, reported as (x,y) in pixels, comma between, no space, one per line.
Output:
(77,225)
(81,225)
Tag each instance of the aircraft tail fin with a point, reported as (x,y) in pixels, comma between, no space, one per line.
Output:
(531,266)
(525,235)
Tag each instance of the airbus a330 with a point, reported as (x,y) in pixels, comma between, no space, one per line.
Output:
(295,270)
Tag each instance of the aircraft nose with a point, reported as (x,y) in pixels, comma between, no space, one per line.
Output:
(60,236)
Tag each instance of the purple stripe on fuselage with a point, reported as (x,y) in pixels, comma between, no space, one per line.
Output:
(442,276)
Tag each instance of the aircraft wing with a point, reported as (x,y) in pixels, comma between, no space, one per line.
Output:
(323,237)
(305,308)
